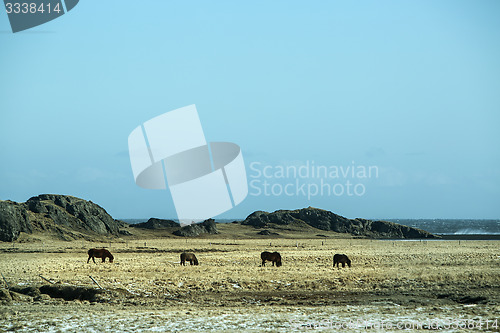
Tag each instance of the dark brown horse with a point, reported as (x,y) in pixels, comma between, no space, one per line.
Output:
(274,257)
(188,257)
(100,253)
(341,259)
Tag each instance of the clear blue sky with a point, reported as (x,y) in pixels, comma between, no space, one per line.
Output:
(412,87)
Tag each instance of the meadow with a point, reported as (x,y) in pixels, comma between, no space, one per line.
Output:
(391,281)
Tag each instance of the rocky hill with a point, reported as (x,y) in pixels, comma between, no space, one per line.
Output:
(326,220)
(155,224)
(64,216)
(68,218)
(169,226)
(192,230)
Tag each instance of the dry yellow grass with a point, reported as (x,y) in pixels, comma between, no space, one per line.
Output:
(153,265)
(391,278)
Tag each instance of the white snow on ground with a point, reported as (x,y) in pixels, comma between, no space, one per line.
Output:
(384,318)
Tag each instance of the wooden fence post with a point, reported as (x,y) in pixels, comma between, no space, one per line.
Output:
(5,280)
(40,275)
(95,282)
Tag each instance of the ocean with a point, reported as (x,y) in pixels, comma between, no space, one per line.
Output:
(453,226)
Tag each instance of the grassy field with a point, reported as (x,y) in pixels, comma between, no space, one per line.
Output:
(389,280)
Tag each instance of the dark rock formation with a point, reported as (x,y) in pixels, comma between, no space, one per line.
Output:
(266,232)
(66,216)
(192,230)
(71,293)
(59,292)
(14,219)
(326,220)
(154,223)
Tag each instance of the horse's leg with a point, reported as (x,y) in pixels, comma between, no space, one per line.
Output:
(103,259)
(93,259)
(263,263)
(88,260)
(343,264)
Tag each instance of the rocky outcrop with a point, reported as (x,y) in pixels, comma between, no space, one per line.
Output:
(326,220)
(66,216)
(14,219)
(193,230)
(155,224)
(266,232)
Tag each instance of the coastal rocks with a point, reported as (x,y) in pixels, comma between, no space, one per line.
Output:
(154,224)
(193,230)
(74,213)
(326,220)
(13,220)
(62,215)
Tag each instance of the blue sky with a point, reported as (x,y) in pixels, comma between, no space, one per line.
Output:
(410,87)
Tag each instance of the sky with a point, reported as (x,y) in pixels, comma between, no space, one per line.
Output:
(409,88)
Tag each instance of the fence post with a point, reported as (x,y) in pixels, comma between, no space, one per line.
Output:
(40,275)
(5,280)
(95,282)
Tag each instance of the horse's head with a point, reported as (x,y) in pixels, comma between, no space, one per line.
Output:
(278,259)
(111,257)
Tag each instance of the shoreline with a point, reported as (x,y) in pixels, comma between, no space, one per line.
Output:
(493,237)
(448,237)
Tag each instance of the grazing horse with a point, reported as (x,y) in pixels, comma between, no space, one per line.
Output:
(188,257)
(100,253)
(274,257)
(341,259)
